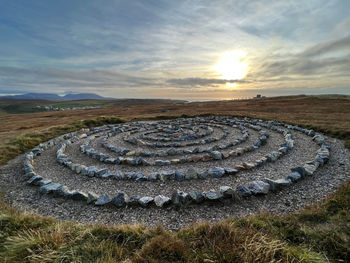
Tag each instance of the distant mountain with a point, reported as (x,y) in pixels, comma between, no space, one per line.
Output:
(83,96)
(50,96)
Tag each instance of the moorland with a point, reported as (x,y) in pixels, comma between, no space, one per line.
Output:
(316,234)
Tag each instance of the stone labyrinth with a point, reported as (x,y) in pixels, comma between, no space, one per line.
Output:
(178,162)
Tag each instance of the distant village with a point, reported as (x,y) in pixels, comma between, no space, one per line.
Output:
(52,108)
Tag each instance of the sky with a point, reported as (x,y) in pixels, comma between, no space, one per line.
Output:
(195,50)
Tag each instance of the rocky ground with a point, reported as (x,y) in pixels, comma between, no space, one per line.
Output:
(305,192)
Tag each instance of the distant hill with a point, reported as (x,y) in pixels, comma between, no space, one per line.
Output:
(53,97)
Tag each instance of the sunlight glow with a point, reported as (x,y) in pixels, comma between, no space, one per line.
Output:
(230,85)
(232,65)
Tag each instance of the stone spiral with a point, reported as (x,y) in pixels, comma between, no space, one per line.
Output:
(157,161)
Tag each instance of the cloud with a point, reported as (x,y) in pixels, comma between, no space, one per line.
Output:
(193,82)
(328,47)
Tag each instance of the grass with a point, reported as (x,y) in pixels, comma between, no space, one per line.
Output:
(320,233)
(27,141)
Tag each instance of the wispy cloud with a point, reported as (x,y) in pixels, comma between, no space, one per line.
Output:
(169,48)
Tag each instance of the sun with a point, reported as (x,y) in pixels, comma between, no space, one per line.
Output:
(232,66)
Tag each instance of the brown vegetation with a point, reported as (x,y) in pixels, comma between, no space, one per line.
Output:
(317,234)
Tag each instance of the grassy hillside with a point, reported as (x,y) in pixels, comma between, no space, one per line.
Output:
(18,106)
(318,234)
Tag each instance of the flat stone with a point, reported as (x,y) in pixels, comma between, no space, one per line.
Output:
(103,200)
(197,197)
(243,191)
(120,199)
(191,173)
(180,198)
(213,196)
(300,170)
(248,166)
(34,180)
(101,172)
(78,196)
(91,171)
(179,176)
(153,176)
(231,171)
(162,162)
(44,182)
(161,200)
(146,201)
(216,172)
(140,177)
(227,191)
(259,187)
(309,169)
(240,167)
(276,185)
(166,175)
(216,155)
(50,188)
(118,175)
(133,200)
(294,176)
(92,197)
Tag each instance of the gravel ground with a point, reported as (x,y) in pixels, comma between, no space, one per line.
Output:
(307,191)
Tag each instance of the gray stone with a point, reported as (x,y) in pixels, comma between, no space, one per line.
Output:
(140,177)
(50,188)
(179,176)
(91,171)
(120,199)
(103,200)
(153,176)
(197,197)
(118,175)
(171,151)
(146,201)
(259,187)
(216,172)
(35,180)
(101,172)
(191,173)
(309,169)
(227,191)
(300,170)
(243,191)
(162,162)
(276,185)
(230,171)
(161,200)
(180,198)
(78,196)
(294,176)
(92,197)
(134,200)
(213,196)
(216,155)
(166,175)
(44,182)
